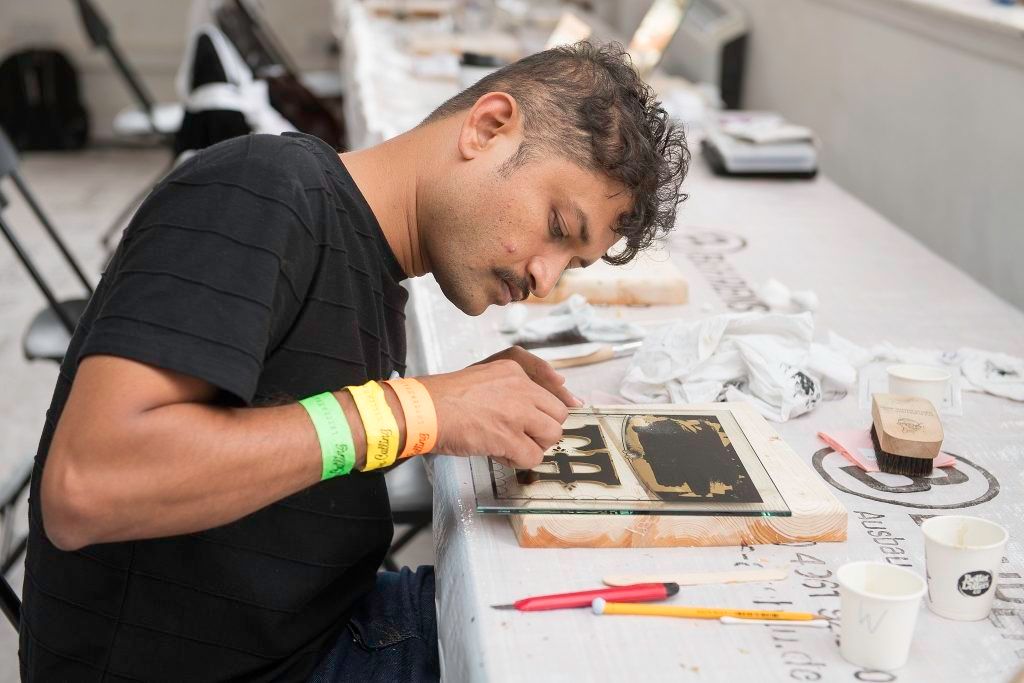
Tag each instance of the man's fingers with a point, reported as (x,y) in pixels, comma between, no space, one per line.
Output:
(543,374)
(552,405)
(567,397)
(544,431)
(546,373)
(527,454)
(540,370)
(564,396)
(555,383)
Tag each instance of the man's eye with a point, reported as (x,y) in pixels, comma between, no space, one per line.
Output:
(556,228)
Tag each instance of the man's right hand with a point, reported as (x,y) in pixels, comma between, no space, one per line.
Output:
(495,409)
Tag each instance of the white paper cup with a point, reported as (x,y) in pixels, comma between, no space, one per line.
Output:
(879,605)
(962,556)
(922,381)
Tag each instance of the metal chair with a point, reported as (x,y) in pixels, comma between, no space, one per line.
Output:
(50,331)
(161,119)
(47,338)
(222,98)
(11,545)
(148,118)
(243,24)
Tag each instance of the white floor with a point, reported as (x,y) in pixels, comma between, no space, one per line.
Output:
(82,193)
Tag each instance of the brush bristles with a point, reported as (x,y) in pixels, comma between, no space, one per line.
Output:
(899,464)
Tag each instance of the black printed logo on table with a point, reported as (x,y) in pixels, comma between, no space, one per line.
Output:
(974,584)
(709,241)
(707,250)
(945,488)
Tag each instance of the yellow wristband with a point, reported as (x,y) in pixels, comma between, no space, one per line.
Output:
(379,423)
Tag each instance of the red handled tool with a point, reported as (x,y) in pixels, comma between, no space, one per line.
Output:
(640,592)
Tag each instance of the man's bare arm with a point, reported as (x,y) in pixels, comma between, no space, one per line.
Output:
(139,453)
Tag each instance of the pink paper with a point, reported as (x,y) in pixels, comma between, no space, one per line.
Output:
(855,445)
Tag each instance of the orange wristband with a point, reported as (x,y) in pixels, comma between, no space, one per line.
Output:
(420,417)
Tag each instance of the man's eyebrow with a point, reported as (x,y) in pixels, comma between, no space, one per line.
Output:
(581,218)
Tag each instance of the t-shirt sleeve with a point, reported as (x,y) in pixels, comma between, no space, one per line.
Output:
(212,271)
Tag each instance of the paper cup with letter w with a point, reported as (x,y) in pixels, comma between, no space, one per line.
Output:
(879,605)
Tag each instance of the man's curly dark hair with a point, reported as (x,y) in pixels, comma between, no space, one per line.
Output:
(587,103)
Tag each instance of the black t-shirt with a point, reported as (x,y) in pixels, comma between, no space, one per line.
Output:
(259,267)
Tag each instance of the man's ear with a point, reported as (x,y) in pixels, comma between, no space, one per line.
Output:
(493,115)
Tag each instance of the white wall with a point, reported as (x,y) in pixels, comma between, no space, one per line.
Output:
(922,129)
(920,117)
(151,34)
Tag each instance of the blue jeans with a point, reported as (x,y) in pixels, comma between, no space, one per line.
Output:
(392,635)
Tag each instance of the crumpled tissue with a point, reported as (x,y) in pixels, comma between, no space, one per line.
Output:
(767,359)
(992,372)
(572,314)
(781,299)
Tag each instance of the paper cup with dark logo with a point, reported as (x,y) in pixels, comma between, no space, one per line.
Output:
(962,556)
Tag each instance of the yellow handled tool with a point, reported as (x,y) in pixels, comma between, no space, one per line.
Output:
(601,606)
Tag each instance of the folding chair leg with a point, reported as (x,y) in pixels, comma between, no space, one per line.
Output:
(11,548)
(401,542)
(26,261)
(50,230)
(10,604)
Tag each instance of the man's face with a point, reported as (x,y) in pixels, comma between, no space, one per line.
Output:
(507,234)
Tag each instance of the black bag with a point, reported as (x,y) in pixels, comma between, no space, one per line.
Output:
(40,107)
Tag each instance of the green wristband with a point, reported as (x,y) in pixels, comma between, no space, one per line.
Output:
(336,445)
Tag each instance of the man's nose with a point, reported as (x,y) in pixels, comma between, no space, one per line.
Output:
(544,273)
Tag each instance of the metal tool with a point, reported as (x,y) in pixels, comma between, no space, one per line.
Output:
(602,606)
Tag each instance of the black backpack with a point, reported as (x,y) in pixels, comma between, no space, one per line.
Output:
(40,107)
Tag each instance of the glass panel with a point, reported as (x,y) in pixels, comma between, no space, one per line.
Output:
(655,461)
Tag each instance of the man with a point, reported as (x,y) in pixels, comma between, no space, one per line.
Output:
(179,527)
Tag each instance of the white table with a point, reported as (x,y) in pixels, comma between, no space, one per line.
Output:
(875,283)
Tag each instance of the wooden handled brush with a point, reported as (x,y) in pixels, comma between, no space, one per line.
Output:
(906,432)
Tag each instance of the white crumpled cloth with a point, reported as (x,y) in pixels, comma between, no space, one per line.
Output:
(240,92)
(992,372)
(573,313)
(767,359)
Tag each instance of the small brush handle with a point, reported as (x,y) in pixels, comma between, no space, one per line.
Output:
(602,354)
(641,592)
